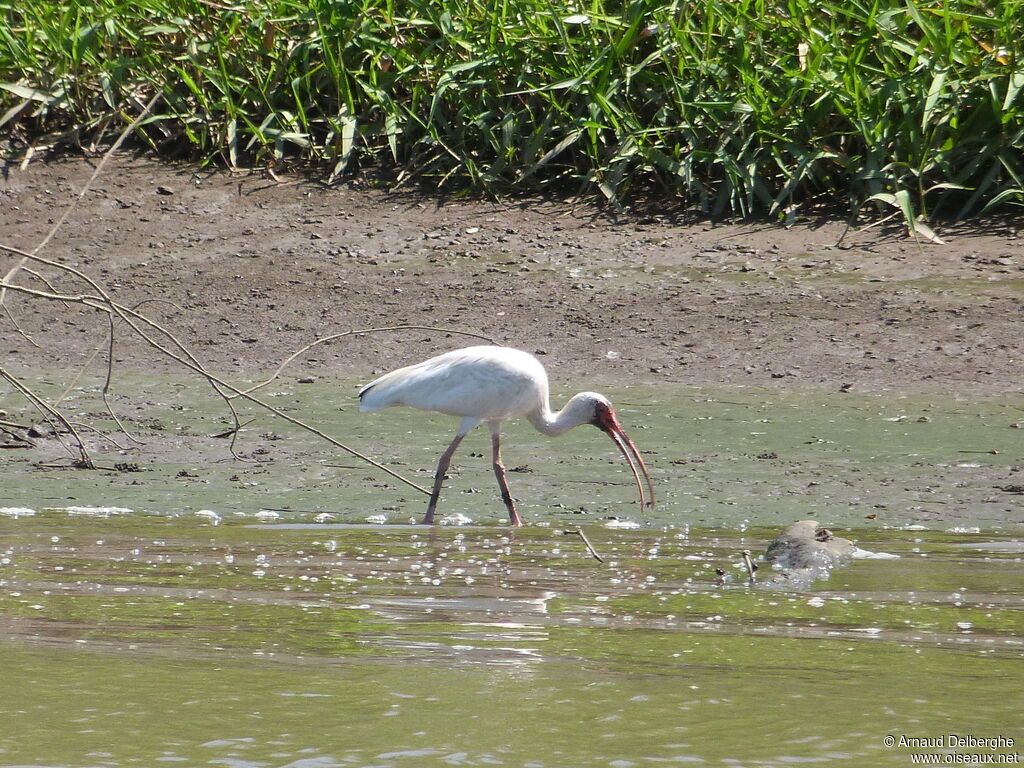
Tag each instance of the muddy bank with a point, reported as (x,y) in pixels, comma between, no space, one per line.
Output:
(249,269)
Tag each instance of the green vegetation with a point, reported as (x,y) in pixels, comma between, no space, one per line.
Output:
(740,106)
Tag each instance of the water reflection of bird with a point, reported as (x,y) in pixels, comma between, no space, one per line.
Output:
(493,384)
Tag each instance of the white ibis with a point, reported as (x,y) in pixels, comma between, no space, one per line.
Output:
(492,384)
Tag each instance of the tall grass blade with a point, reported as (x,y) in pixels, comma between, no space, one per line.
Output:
(743,108)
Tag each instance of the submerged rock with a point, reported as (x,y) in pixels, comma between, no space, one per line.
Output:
(803,553)
(807,545)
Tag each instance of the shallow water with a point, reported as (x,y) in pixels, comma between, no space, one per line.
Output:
(277,628)
(137,640)
(726,458)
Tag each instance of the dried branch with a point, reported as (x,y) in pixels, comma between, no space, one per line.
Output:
(17,326)
(100,433)
(359,332)
(150,331)
(49,413)
(74,203)
(590,547)
(74,381)
(102,302)
(136,320)
(109,377)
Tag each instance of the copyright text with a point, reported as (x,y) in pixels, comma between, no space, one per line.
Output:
(956,749)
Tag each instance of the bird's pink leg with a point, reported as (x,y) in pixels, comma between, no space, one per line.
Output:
(499,472)
(442,469)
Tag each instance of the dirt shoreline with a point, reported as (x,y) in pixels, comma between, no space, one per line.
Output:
(249,270)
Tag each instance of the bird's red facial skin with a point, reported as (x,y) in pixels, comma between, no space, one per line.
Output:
(604,419)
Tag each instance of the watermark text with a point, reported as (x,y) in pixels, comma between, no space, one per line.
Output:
(956,749)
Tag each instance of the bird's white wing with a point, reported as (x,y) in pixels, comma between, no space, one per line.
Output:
(486,383)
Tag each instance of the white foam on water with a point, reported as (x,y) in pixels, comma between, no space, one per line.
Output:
(622,524)
(456,519)
(16,512)
(863,554)
(97,511)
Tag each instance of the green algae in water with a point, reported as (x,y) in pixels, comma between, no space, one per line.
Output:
(155,636)
(715,703)
(136,640)
(723,458)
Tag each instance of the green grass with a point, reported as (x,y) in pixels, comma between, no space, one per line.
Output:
(738,106)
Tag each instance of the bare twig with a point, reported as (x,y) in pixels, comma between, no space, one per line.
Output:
(10,315)
(49,413)
(101,302)
(750,565)
(361,331)
(40,277)
(579,532)
(99,433)
(17,326)
(135,320)
(74,381)
(81,194)
(106,382)
(77,465)
(22,441)
(233,431)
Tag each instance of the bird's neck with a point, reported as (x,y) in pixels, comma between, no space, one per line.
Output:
(554,423)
